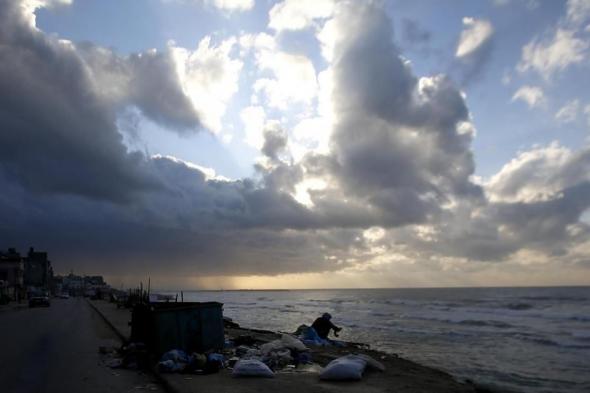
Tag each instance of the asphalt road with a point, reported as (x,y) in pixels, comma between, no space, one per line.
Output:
(55,349)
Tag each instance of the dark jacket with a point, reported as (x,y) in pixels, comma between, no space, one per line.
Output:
(323,326)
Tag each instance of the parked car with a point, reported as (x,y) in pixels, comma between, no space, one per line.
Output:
(39,300)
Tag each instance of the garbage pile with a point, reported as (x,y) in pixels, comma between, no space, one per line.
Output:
(177,360)
(133,356)
(243,356)
(246,357)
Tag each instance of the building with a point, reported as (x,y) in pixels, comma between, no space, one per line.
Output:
(12,271)
(38,271)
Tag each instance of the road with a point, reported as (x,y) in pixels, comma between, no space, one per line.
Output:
(55,349)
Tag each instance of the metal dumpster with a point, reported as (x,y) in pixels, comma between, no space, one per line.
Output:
(192,327)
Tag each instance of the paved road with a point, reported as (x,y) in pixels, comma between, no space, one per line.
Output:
(55,349)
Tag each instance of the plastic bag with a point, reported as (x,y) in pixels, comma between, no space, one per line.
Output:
(251,368)
(170,366)
(176,355)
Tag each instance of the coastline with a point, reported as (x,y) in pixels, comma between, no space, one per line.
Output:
(401,375)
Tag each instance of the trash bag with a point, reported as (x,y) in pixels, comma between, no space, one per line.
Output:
(251,368)
(176,355)
(344,368)
(271,346)
(170,366)
(244,352)
(198,360)
(216,357)
(278,358)
(292,343)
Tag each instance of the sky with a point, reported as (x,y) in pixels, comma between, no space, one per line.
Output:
(298,144)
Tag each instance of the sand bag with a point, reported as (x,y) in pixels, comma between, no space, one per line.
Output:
(271,346)
(371,363)
(345,368)
(292,343)
(251,368)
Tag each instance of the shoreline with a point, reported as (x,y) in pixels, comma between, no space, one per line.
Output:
(401,375)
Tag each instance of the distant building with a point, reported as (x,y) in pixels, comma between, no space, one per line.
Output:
(94,280)
(38,270)
(12,271)
(73,284)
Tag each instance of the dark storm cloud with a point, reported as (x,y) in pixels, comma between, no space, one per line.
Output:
(193,227)
(400,155)
(146,80)
(553,192)
(58,112)
(56,134)
(275,142)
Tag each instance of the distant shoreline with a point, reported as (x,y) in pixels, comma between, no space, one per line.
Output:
(366,289)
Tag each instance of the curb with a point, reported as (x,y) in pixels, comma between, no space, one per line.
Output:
(105,319)
(152,370)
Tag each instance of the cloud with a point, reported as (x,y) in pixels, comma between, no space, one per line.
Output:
(294,79)
(285,78)
(388,118)
(146,80)
(387,184)
(232,5)
(60,135)
(226,6)
(569,112)
(539,174)
(474,48)
(209,77)
(298,14)
(547,57)
(563,46)
(587,113)
(577,11)
(532,95)
(477,32)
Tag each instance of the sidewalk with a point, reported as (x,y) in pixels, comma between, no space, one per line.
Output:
(14,306)
(401,376)
(118,318)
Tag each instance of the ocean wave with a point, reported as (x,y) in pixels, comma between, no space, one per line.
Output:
(550,342)
(477,322)
(518,306)
(579,318)
(557,298)
(380,314)
(288,310)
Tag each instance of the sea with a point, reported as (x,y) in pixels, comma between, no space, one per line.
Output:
(505,339)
